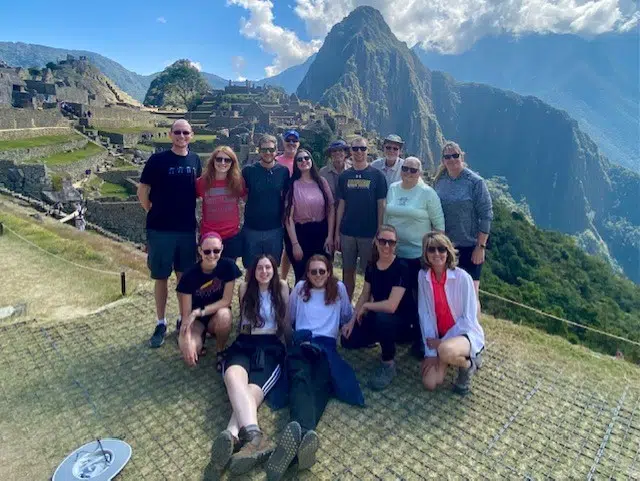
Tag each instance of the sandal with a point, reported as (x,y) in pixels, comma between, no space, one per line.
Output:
(219,361)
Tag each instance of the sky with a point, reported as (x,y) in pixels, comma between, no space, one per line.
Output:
(254,39)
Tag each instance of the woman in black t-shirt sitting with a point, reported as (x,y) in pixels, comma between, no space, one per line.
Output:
(205,292)
(382,311)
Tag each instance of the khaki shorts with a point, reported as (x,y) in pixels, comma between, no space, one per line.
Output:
(354,247)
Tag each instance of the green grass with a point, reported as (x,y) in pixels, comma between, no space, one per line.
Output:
(107,189)
(131,130)
(65,158)
(145,147)
(37,141)
(121,164)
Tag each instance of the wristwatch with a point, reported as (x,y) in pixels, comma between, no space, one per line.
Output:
(482,246)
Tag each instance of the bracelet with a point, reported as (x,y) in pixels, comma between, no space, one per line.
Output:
(482,246)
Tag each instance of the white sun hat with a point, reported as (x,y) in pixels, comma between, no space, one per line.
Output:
(99,460)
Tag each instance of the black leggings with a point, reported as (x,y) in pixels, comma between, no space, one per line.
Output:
(311,237)
(310,385)
(378,327)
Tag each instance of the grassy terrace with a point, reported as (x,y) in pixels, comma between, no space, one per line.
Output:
(37,141)
(107,189)
(132,130)
(65,158)
(540,408)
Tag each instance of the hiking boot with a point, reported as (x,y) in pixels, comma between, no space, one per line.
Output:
(478,360)
(223,447)
(383,376)
(284,453)
(462,385)
(307,450)
(256,447)
(157,339)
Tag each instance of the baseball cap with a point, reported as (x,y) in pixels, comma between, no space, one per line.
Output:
(291,133)
(337,145)
(394,138)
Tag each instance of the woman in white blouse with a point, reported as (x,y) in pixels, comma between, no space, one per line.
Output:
(448,310)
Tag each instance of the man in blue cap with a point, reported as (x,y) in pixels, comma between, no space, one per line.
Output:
(291,139)
(338,163)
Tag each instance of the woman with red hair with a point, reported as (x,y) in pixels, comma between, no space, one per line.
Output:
(221,187)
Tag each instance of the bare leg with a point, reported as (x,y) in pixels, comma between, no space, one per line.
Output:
(220,327)
(190,343)
(160,295)
(349,279)
(434,376)
(178,277)
(244,398)
(455,351)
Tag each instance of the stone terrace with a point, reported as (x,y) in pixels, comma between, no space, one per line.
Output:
(540,408)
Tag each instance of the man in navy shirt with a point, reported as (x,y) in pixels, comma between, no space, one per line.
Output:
(167,192)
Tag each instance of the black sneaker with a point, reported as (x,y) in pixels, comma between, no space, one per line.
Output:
(178,325)
(284,453)
(307,450)
(462,385)
(157,339)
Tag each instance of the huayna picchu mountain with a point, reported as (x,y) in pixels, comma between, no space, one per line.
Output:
(364,70)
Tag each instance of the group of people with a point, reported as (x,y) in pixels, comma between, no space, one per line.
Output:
(421,250)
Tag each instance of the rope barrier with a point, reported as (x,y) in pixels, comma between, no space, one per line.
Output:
(571,323)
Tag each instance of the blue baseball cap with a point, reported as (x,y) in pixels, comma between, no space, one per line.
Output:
(337,145)
(291,133)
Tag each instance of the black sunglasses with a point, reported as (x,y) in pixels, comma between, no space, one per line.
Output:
(208,252)
(317,272)
(223,160)
(433,249)
(391,147)
(386,242)
(270,150)
(361,149)
(304,157)
(451,156)
(412,170)
(183,132)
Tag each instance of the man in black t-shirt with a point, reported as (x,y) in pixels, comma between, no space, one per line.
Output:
(167,193)
(267,183)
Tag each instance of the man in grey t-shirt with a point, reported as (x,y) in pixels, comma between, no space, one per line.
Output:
(391,163)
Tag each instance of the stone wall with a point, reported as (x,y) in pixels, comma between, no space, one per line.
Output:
(27,118)
(28,179)
(77,170)
(22,155)
(119,117)
(126,140)
(126,219)
(13,134)
(123,178)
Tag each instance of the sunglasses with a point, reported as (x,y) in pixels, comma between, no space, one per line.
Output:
(451,156)
(411,170)
(208,252)
(303,158)
(386,242)
(317,272)
(183,132)
(291,141)
(391,147)
(270,150)
(223,160)
(361,149)
(433,249)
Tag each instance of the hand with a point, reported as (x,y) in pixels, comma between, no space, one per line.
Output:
(428,363)
(188,349)
(477,257)
(336,243)
(362,312)
(328,245)
(433,343)
(297,252)
(348,328)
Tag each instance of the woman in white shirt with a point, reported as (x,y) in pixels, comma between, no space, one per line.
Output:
(253,365)
(318,306)
(448,311)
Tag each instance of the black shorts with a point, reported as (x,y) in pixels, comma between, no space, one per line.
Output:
(262,356)
(233,246)
(465,263)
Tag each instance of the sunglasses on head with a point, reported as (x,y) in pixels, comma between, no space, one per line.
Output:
(386,242)
(270,150)
(360,148)
(223,160)
(291,140)
(391,147)
(303,158)
(411,170)
(183,132)
(317,272)
(208,252)
(433,249)
(451,156)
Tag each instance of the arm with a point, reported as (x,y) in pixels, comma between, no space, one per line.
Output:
(227,297)
(382,203)
(331,216)
(339,215)
(293,305)
(288,329)
(365,296)
(484,212)
(434,208)
(346,309)
(382,190)
(390,305)
(143,196)
(295,245)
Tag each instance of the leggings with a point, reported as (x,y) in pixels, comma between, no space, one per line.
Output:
(311,237)
(376,327)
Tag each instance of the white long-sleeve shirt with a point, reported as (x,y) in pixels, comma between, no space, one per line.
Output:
(461,298)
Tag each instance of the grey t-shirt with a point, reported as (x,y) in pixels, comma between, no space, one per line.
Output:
(361,190)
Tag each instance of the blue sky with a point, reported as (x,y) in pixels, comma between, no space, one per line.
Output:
(146,36)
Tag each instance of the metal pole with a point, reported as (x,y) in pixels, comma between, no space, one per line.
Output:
(1,229)
(123,283)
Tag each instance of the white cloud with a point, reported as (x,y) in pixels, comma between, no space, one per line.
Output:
(237,64)
(197,66)
(161,20)
(283,44)
(241,78)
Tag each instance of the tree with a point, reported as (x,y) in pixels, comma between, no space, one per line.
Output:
(179,85)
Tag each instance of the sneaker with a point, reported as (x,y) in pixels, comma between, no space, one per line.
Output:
(478,360)
(383,376)
(157,339)
(255,449)
(284,453)
(307,450)
(223,447)
(462,385)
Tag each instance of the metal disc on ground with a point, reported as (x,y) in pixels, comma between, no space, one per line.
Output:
(99,460)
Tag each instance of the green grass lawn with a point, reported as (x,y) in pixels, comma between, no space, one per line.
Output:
(37,141)
(114,190)
(145,147)
(65,158)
